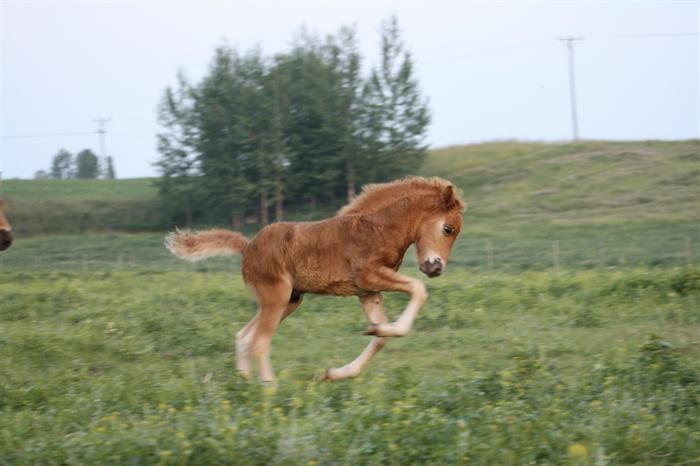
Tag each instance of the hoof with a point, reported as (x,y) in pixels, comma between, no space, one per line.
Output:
(325,377)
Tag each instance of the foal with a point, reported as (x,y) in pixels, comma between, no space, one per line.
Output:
(5,229)
(358,252)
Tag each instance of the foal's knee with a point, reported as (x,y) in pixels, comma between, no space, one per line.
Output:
(419,292)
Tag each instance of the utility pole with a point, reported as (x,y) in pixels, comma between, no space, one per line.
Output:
(102,131)
(572,83)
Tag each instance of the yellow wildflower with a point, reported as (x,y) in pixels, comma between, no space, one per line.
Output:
(577,450)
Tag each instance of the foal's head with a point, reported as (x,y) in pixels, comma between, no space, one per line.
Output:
(5,228)
(438,232)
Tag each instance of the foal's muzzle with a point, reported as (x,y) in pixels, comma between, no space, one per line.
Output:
(432,268)
(5,239)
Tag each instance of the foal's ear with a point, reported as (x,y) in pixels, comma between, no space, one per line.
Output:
(448,198)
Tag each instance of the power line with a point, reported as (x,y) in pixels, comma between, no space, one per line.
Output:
(47,135)
(510,47)
(667,34)
(570,40)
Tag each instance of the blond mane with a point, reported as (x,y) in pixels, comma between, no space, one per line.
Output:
(375,197)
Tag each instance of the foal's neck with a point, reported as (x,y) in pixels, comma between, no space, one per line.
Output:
(403,218)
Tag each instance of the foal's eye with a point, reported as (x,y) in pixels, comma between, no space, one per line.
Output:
(447,230)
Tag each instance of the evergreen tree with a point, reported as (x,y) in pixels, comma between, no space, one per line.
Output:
(111,174)
(225,143)
(396,117)
(86,165)
(304,126)
(313,148)
(349,106)
(61,165)
(178,182)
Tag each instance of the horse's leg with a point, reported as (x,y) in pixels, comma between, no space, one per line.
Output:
(244,336)
(389,280)
(373,305)
(273,301)
(294,302)
(243,348)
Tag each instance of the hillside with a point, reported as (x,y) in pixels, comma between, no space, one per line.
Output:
(39,207)
(589,203)
(577,183)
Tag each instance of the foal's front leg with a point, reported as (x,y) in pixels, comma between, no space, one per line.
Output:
(387,279)
(373,306)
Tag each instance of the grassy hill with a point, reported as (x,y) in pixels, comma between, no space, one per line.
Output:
(39,207)
(577,183)
(116,352)
(598,203)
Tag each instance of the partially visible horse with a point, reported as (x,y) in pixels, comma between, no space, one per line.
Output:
(358,252)
(5,229)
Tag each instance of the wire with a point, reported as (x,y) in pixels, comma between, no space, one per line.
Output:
(669,34)
(48,135)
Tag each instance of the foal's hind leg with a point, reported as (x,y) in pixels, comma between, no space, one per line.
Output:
(244,336)
(243,347)
(273,301)
(373,305)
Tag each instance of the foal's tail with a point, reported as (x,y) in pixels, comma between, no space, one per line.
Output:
(203,244)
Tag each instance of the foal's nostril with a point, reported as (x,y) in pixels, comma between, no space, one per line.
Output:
(432,267)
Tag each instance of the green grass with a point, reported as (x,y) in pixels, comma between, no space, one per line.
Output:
(510,186)
(650,244)
(590,182)
(114,352)
(40,207)
(80,190)
(137,367)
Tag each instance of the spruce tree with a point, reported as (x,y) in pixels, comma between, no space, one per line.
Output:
(61,165)
(86,165)
(178,182)
(396,116)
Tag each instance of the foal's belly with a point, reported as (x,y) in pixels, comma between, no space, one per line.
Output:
(312,283)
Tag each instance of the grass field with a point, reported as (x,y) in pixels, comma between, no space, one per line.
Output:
(580,183)
(566,329)
(508,185)
(607,247)
(49,207)
(137,368)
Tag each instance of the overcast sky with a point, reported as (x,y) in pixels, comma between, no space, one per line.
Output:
(491,70)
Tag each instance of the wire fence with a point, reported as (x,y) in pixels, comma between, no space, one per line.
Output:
(481,255)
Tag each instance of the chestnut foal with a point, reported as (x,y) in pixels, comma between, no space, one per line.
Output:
(5,229)
(358,252)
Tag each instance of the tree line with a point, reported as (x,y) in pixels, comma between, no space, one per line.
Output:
(84,164)
(258,133)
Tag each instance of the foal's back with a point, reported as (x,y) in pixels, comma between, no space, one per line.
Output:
(316,257)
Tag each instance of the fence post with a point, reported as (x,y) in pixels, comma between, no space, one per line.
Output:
(688,252)
(555,255)
(489,254)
